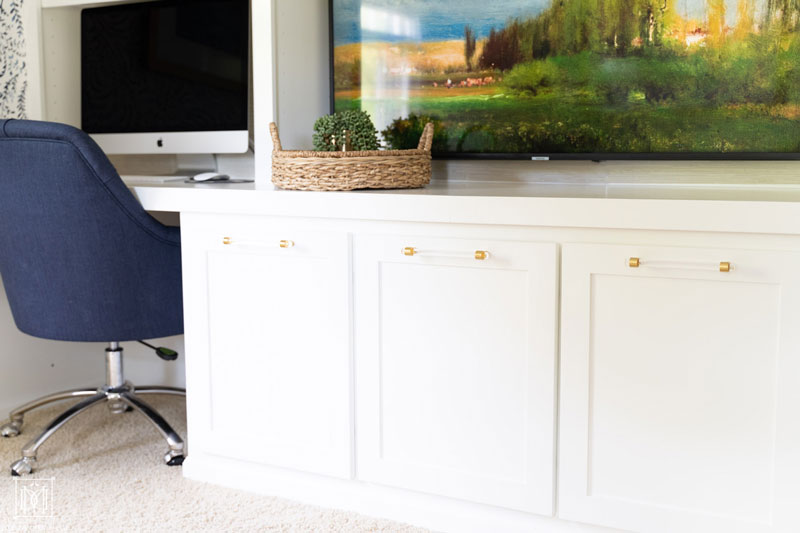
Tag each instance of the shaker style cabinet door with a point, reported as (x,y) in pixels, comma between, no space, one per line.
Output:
(680,389)
(268,345)
(455,346)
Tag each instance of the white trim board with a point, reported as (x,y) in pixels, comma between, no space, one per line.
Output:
(32,24)
(424,510)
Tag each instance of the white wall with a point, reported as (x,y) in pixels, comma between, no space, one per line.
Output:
(302,69)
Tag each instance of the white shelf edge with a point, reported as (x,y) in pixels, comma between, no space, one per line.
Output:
(77,3)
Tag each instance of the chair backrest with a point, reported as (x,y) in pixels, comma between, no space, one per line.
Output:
(80,259)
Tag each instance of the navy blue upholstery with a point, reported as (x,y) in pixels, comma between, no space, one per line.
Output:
(80,259)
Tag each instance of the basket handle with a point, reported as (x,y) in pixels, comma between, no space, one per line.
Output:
(276,141)
(426,140)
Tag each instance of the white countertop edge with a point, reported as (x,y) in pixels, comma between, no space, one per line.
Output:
(495,205)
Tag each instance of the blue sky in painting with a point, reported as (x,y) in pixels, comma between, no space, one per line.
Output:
(439,20)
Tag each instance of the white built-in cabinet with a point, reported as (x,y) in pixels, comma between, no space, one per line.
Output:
(647,388)
(269,342)
(680,388)
(455,350)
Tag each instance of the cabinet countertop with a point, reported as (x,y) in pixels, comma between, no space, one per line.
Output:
(736,208)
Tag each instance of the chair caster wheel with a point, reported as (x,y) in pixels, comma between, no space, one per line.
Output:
(173,460)
(174,457)
(22,467)
(11,429)
(118,408)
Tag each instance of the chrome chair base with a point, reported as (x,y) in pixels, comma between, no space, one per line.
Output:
(120,398)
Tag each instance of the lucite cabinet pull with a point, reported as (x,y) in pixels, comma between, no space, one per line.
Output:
(479,255)
(723,266)
(285,243)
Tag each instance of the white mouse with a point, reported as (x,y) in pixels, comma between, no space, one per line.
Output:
(211,176)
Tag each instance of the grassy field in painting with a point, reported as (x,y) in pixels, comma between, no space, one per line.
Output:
(438,56)
(547,124)
(592,103)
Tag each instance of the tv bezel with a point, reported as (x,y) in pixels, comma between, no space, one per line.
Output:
(576,156)
(172,142)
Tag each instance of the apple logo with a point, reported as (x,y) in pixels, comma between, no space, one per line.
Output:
(160,143)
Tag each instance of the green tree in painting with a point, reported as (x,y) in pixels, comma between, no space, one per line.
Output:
(470,44)
(782,15)
(716,22)
(745,19)
(502,49)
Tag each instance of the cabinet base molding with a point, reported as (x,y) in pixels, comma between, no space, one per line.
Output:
(422,510)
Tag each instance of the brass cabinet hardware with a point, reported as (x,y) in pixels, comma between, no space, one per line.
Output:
(283,244)
(723,266)
(480,255)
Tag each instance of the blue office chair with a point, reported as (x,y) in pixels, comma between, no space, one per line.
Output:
(82,261)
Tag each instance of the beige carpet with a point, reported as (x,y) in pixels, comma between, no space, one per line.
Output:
(109,477)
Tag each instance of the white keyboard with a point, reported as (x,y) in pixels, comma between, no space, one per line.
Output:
(130,180)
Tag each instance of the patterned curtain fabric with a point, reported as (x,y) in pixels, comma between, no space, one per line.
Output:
(13,79)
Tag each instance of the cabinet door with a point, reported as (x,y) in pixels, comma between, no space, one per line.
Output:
(268,348)
(680,389)
(455,368)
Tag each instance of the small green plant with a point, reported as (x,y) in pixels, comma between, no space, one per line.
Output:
(353,127)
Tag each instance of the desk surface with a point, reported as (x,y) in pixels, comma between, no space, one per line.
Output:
(746,208)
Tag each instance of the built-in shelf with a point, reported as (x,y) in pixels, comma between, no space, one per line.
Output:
(78,3)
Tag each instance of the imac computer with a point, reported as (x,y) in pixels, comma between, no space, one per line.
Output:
(168,76)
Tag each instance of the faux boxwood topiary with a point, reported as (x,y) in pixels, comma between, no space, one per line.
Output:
(353,126)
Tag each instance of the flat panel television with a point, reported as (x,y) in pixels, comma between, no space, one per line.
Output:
(574,79)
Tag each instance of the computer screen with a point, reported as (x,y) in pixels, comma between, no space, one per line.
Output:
(167,76)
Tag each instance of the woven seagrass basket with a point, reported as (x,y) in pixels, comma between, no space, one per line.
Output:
(344,171)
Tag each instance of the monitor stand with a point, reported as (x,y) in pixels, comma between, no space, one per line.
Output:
(193,164)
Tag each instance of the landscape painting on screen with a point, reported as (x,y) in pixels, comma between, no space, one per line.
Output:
(574,76)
